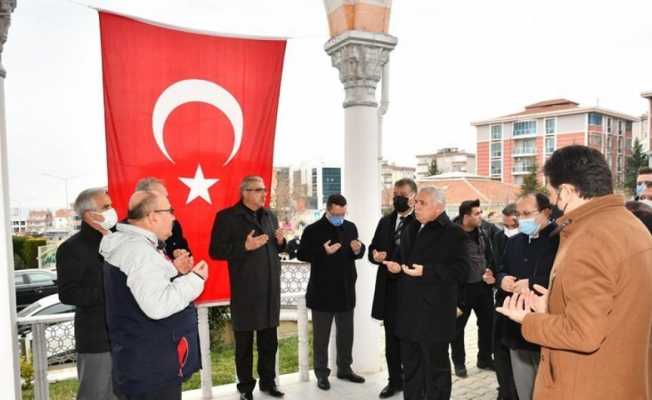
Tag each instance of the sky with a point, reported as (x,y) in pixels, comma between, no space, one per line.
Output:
(456,61)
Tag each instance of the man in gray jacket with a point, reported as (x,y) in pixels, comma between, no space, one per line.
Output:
(151,319)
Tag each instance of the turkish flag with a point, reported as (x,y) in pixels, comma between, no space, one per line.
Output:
(197,111)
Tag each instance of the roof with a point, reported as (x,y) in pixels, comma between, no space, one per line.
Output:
(470,187)
(553,108)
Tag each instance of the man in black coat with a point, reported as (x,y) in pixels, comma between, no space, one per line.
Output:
(527,261)
(385,247)
(331,246)
(80,282)
(477,292)
(247,236)
(504,375)
(432,265)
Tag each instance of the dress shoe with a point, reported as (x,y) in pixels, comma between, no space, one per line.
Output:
(273,391)
(351,377)
(460,371)
(246,396)
(487,365)
(389,391)
(323,383)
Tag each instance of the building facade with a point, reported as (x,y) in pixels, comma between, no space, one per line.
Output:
(509,147)
(449,160)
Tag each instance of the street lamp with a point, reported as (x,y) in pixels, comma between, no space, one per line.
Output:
(65,180)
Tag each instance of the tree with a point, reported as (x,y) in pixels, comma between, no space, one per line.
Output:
(531,182)
(636,161)
(432,168)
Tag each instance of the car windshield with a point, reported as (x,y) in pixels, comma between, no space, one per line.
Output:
(29,309)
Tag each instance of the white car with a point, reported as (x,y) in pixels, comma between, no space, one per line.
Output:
(60,337)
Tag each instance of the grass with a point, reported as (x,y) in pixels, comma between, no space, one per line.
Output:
(223,363)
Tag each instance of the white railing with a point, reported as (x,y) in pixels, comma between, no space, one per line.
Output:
(291,277)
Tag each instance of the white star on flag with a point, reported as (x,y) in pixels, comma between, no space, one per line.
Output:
(198,186)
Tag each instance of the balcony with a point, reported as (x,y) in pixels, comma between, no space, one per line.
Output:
(521,169)
(525,152)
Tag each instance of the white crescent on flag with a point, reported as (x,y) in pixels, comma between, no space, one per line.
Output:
(196,90)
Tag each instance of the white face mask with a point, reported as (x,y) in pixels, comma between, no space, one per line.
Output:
(110,219)
(511,232)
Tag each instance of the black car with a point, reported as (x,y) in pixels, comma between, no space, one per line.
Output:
(32,285)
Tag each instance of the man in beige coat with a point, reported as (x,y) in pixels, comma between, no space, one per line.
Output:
(594,324)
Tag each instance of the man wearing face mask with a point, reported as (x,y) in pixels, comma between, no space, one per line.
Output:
(80,282)
(331,246)
(643,181)
(594,323)
(504,375)
(645,196)
(526,262)
(385,246)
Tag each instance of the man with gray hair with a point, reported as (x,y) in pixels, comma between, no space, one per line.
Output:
(247,236)
(431,264)
(80,282)
(151,317)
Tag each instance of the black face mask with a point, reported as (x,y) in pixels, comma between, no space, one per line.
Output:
(401,204)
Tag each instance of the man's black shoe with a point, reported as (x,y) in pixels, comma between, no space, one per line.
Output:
(273,391)
(323,383)
(487,365)
(460,371)
(246,396)
(351,377)
(389,391)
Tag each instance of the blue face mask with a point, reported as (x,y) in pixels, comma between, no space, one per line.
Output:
(640,188)
(336,220)
(528,226)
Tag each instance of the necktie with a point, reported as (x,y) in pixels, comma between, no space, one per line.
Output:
(399,231)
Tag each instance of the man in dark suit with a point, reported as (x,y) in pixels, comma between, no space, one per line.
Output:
(504,375)
(247,236)
(385,247)
(432,264)
(331,246)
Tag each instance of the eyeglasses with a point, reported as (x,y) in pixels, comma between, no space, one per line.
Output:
(257,190)
(168,210)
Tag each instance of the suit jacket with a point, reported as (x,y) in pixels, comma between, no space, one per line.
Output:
(176,241)
(595,337)
(427,304)
(255,275)
(386,291)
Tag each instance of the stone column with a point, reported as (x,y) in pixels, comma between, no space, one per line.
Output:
(360,56)
(9,367)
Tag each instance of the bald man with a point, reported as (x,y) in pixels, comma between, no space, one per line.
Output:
(151,318)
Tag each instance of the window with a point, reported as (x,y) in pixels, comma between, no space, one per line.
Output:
(551,126)
(608,125)
(595,119)
(20,279)
(56,309)
(525,128)
(550,144)
(41,278)
(628,126)
(620,127)
(496,167)
(620,144)
(595,140)
(620,163)
(496,150)
(522,147)
(496,132)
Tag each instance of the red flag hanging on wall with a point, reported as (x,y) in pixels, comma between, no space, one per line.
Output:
(195,110)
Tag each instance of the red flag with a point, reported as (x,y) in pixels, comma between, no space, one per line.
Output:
(197,111)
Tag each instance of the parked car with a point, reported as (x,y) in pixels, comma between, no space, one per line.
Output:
(32,285)
(59,337)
